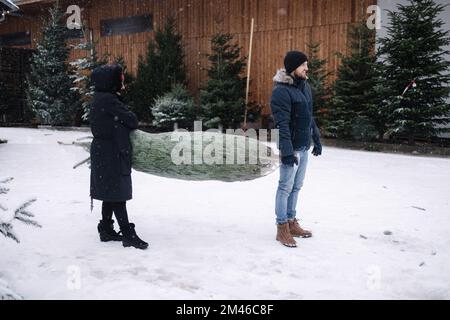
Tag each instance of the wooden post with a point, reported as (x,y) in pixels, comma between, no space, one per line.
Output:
(91,40)
(248,72)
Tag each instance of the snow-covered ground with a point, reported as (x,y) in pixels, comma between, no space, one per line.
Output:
(214,240)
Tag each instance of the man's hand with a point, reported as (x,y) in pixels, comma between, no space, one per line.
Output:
(289,160)
(317,150)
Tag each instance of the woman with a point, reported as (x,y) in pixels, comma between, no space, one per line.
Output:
(111,124)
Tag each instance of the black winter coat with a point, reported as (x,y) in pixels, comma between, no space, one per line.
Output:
(111,124)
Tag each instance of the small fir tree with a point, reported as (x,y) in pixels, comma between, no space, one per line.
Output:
(318,76)
(49,91)
(8,217)
(162,67)
(223,98)
(81,78)
(176,106)
(351,106)
(414,52)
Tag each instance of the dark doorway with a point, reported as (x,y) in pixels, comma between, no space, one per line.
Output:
(14,66)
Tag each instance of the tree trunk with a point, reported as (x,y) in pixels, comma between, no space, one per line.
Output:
(411,140)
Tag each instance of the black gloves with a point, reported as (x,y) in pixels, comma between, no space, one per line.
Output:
(317,150)
(289,160)
(292,159)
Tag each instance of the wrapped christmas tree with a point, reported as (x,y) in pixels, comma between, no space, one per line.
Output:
(200,156)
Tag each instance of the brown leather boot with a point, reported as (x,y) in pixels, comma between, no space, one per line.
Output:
(297,231)
(284,236)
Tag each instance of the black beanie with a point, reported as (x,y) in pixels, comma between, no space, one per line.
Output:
(293,60)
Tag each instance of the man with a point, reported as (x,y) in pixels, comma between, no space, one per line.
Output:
(292,109)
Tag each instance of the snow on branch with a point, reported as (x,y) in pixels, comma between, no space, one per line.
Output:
(2,189)
(6,293)
(7,180)
(21,214)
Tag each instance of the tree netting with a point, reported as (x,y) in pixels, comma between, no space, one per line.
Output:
(208,155)
(201,156)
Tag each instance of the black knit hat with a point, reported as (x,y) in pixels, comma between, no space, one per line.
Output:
(293,60)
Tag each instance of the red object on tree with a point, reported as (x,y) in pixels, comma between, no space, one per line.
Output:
(412,84)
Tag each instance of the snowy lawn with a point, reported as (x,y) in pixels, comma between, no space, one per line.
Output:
(381,228)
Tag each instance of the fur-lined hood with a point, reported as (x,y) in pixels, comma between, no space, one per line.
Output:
(282,77)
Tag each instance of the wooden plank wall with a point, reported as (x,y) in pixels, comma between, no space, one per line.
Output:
(280,25)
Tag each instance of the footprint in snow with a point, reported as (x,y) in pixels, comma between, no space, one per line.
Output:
(99,274)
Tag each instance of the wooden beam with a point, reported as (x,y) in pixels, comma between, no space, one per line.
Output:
(28,2)
(7,5)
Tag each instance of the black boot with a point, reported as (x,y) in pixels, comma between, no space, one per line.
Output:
(131,239)
(106,231)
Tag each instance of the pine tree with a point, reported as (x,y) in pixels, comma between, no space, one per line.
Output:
(7,219)
(223,98)
(352,104)
(162,67)
(176,106)
(146,88)
(81,78)
(414,50)
(49,91)
(21,214)
(129,80)
(318,76)
(171,56)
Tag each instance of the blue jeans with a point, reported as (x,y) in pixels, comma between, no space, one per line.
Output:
(289,185)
